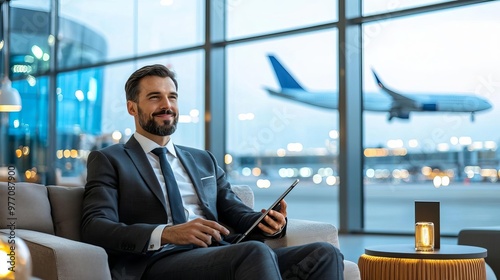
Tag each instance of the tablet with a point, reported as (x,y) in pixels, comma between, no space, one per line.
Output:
(275,203)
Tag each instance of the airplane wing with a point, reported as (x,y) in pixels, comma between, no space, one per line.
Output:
(399,100)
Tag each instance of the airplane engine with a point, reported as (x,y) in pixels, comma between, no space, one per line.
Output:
(399,115)
(429,107)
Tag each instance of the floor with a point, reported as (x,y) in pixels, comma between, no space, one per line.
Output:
(353,245)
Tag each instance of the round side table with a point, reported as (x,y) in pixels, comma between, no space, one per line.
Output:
(402,262)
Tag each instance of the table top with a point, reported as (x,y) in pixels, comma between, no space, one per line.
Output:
(446,252)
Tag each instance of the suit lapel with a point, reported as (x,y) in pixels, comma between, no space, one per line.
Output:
(189,164)
(141,162)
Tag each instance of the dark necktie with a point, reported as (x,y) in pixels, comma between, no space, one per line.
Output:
(174,196)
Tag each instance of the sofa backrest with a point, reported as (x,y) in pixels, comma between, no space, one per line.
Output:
(26,206)
(66,210)
(58,209)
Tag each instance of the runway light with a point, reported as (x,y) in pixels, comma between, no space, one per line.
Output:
(413,143)
(263,184)
(317,179)
(256,171)
(245,171)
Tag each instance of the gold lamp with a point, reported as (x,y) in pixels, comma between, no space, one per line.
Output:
(10,100)
(15,258)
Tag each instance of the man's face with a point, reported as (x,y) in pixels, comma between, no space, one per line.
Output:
(157,111)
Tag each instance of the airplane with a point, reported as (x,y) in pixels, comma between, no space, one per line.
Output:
(397,104)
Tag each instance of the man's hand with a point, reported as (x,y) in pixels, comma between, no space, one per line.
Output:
(275,220)
(198,232)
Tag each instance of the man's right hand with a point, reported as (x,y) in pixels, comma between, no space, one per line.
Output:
(198,232)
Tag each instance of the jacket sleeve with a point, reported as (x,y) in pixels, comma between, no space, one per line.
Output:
(100,214)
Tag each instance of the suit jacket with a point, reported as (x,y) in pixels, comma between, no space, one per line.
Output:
(123,203)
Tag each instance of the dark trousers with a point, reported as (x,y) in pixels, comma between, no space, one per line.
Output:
(251,260)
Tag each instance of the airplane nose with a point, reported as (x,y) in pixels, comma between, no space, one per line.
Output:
(487,105)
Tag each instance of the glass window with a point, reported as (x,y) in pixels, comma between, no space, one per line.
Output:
(440,143)
(95,31)
(385,6)
(26,144)
(29,39)
(249,18)
(92,110)
(167,24)
(189,69)
(280,130)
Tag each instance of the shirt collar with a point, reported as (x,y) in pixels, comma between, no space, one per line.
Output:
(148,145)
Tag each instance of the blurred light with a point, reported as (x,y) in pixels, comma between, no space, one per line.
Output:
(328,171)
(16,123)
(294,147)
(454,140)
(437,181)
(245,171)
(116,135)
(194,113)
(228,159)
(51,40)
(79,95)
(67,153)
(317,178)
(413,143)
(477,145)
(305,172)
(185,119)
(92,93)
(331,180)
(445,181)
(281,152)
(37,51)
(45,57)
(376,152)
(19,153)
(23,69)
(59,154)
(370,173)
(128,131)
(397,143)
(426,170)
(26,150)
(443,147)
(490,145)
(29,59)
(465,140)
(74,153)
(246,116)
(263,184)
(256,171)
(334,134)
(31,80)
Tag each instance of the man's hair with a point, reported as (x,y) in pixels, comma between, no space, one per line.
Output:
(132,84)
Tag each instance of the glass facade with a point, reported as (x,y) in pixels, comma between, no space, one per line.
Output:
(279,82)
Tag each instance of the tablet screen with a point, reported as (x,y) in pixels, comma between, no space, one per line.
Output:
(276,202)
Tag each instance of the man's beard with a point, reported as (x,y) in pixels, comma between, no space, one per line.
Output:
(149,124)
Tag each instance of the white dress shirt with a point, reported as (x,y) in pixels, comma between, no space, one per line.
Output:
(190,199)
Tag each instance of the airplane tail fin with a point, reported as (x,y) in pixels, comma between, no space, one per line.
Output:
(285,79)
(377,79)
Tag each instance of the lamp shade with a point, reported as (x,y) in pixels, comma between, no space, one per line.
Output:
(10,100)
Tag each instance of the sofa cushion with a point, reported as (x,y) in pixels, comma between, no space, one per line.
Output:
(66,205)
(31,204)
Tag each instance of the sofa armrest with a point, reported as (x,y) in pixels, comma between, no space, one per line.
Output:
(59,258)
(304,231)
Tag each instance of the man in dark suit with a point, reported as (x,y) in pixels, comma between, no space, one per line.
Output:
(130,210)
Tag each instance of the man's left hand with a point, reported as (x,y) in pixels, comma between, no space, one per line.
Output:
(275,221)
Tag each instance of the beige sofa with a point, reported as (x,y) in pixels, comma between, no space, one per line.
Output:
(48,220)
